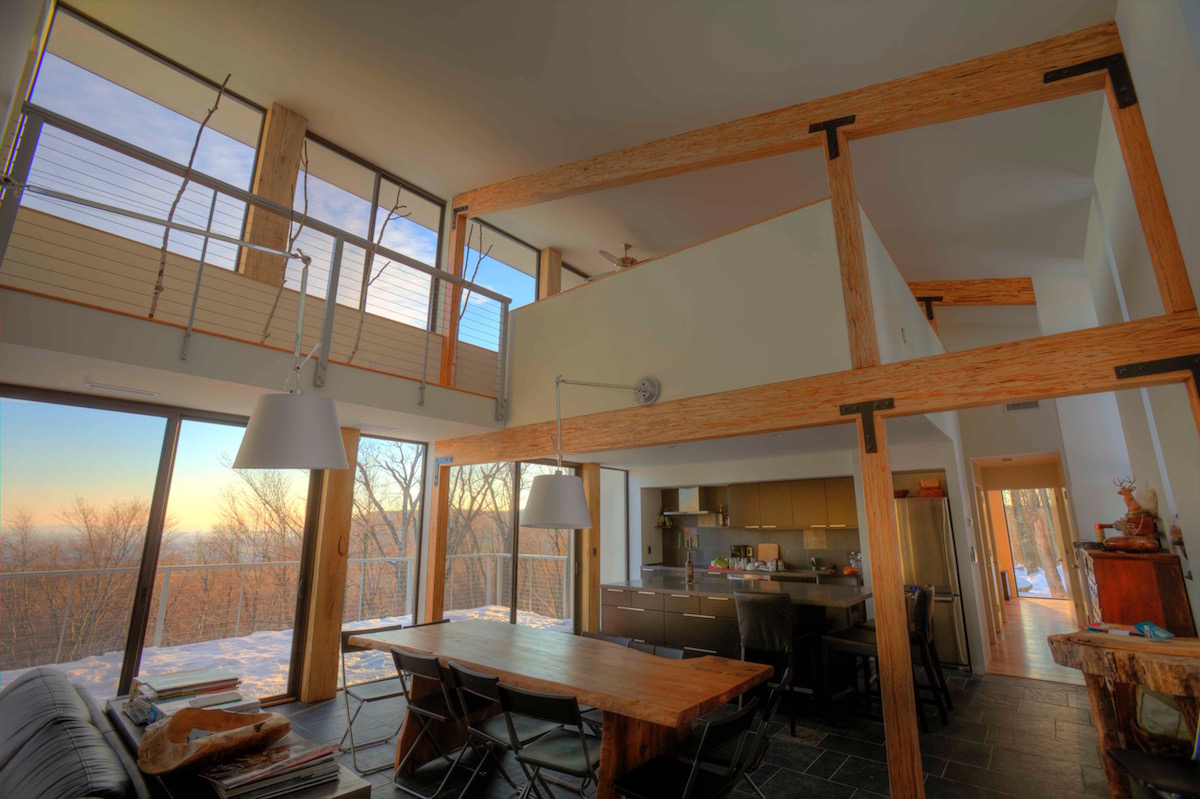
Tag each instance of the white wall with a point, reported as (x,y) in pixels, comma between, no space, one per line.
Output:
(1092,435)
(904,332)
(20,27)
(757,306)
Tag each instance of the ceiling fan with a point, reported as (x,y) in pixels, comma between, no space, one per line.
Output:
(624,261)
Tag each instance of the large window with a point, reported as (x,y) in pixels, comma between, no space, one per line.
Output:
(482,579)
(499,262)
(229,564)
(90,76)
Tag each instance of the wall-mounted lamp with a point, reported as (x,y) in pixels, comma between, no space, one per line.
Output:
(557,501)
(293,430)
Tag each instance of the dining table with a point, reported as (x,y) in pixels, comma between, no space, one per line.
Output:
(649,702)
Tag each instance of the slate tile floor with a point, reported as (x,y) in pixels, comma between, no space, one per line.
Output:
(1007,736)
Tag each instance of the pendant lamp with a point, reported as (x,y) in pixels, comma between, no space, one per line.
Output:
(293,430)
(557,501)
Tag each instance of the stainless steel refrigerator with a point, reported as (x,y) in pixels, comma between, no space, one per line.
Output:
(928,557)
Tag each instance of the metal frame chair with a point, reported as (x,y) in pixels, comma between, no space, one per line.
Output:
(552,750)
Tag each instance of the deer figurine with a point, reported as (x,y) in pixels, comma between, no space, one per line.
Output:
(1125,489)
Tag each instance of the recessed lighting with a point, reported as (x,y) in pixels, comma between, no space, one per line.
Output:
(141,392)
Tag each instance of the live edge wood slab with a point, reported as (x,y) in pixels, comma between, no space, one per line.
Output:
(1113,667)
(648,702)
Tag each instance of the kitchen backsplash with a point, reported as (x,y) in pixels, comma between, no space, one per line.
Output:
(831,547)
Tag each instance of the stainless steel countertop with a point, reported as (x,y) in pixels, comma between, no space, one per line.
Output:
(829,596)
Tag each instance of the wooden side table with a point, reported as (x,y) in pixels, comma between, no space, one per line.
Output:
(1113,667)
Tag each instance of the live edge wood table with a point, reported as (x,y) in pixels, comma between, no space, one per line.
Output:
(1114,666)
(648,702)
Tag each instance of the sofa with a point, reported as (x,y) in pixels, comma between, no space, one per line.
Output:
(55,743)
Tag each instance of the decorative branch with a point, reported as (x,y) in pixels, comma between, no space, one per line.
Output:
(461,311)
(187,176)
(291,241)
(368,278)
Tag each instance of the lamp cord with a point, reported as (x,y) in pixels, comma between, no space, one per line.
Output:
(298,364)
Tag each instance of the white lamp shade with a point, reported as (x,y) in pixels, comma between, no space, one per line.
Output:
(292,431)
(557,502)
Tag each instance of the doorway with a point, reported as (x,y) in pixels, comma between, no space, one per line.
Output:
(1035,542)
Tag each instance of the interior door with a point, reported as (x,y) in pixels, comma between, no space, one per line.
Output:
(1066,527)
(987,564)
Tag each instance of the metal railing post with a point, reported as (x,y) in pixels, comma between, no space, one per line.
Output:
(161,617)
(565,591)
(408,588)
(335,271)
(502,365)
(62,633)
(449,582)
(187,336)
(237,624)
(31,131)
(488,580)
(433,293)
(362,579)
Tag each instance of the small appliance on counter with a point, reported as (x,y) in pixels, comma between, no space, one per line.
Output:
(741,556)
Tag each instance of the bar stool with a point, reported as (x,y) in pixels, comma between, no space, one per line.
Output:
(766,626)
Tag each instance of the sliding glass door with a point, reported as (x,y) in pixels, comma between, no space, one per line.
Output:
(543,597)
(76,486)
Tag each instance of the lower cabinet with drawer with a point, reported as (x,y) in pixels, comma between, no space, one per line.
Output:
(632,622)
(703,632)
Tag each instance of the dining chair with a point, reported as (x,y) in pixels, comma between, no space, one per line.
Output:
(709,775)
(426,711)
(566,750)
(368,691)
(641,646)
(619,640)
(923,645)
(766,628)
(491,731)
(761,737)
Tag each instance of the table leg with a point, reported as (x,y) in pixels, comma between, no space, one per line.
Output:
(626,743)
(1109,729)
(449,736)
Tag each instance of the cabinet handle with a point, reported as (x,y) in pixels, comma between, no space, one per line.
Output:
(821,525)
(751,526)
(646,593)
(681,596)
(614,590)
(698,649)
(698,616)
(837,525)
(769,526)
(636,610)
(717,598)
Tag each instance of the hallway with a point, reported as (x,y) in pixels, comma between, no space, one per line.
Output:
(1021,649)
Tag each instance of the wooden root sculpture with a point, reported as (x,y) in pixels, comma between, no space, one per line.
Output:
(165,747)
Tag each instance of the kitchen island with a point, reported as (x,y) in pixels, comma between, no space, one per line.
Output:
(701,616)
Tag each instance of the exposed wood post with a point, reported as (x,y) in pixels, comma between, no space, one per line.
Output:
(852,254)
(274,179)
(1151,200)
(452,298)
(905,772)
(435,556)
(589,552)
(549,273)
(326,599)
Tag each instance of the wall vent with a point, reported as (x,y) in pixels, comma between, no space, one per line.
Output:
(1021,406)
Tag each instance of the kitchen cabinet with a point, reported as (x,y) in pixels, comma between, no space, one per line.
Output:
(841,506)
(744,505)
(775,505)
(808,504)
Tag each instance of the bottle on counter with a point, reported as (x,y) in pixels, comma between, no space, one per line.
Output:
(690,568)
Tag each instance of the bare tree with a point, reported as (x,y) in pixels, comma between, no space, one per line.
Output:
(368,279)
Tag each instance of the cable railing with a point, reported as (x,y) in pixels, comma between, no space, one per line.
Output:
(66,615)
(82,219)
(484,579)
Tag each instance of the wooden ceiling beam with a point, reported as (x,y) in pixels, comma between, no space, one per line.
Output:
(993,291)
(1065,364)
(996,82)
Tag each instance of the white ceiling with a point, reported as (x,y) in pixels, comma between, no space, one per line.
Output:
(455,95)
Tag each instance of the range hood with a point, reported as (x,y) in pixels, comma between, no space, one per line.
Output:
(689,503)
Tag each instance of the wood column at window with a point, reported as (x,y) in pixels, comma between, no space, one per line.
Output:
(588,547)
(452,301)
(905,772)
(275,177)
(435,557)
(549,273)
(327,596)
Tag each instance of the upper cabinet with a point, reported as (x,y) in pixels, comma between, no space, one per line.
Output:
(840,502)
(775,505)
(744,505)
(808,503)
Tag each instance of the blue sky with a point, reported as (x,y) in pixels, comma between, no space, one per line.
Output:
(76,166)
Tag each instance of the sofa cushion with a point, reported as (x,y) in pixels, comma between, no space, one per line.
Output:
(32,700)
(65,759)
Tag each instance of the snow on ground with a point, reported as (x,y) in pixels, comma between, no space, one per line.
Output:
(261,659)
(1035,584)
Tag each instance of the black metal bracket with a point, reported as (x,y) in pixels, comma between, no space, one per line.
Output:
(1118,71)
(1184,363)
(454,215)
(438,463)
(928,303)
(867,409)
(830,127)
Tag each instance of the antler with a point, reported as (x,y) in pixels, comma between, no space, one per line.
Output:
(1124,483)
